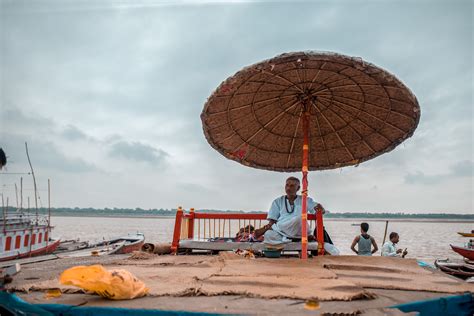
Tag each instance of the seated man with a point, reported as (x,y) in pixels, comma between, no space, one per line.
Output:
(389,249)
(285,215)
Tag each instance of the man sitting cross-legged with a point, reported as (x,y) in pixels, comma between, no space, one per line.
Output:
(284,216)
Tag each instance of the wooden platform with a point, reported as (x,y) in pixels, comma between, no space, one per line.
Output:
(230,246)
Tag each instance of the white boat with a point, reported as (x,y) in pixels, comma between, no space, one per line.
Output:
(121,245)
(23,235)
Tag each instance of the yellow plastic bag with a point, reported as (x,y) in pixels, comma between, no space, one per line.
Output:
(114,284)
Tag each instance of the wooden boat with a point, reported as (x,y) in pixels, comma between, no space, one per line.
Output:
(464,251)
(461,270)
(71,245)
(129,243)
(471,262)
(466,234)
(121,245)
(23,235)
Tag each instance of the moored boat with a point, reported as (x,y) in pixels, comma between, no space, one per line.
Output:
(459,269)
(121,245)
(471,234)
(464,251)
(23,235)
(131,243)
(71,245)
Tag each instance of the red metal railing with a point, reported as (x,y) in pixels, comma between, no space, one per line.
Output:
(203,226)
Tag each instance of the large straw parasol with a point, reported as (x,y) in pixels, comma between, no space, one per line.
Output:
(309,111)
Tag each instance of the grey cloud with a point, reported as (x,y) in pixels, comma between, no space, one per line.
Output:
(71,132)
(43,155)
(137,151)
(107,66)
(193,188)
(463,169)
(460,169)
(14,116)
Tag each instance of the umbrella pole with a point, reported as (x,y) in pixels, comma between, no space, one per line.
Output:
(304,216)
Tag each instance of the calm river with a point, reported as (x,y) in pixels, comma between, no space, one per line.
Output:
(424,239)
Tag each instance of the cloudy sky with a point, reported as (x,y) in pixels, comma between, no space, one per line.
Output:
(108,95)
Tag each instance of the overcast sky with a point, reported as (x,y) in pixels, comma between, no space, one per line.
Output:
(108,95)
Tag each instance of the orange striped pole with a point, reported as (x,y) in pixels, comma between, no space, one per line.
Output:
(177,230)
(304,193)
(191,224)
(320,237)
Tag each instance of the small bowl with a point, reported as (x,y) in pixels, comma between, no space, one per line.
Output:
(272,253)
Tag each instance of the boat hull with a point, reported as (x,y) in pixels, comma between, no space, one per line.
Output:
(37,252)
(465,252)
(466,234)
(460,270)
(136,246)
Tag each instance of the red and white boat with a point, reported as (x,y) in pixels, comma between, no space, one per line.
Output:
(464,251)
(23,234)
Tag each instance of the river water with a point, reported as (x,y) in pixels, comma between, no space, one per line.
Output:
(426,240)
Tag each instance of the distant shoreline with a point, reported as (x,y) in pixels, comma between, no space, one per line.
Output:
(355,220)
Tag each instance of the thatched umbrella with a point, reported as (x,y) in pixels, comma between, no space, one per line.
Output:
(339,110)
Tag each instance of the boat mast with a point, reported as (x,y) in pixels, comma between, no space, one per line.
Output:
(34,182)
(16,196)
(4,218)
(21,193)
(49,204)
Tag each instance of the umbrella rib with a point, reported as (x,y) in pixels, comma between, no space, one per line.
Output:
(316,76)
(272,120)
(249,104)
(378,106)
(283,78)
(368,113)
(332,75)
(347,124)
(375,130)
(261,128)
(322,138)
(346,77)
(298,74)
(294,139)
(255,116)
(271,130)
(252,92)
(264,125)
(266,82)
(334,130)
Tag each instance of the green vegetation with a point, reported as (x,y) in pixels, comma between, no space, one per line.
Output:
(139,212)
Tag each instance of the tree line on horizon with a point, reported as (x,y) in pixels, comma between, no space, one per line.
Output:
(88,211)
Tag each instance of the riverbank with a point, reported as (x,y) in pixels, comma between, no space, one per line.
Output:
(327,217)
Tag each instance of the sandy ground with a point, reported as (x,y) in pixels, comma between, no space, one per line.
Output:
(240,304)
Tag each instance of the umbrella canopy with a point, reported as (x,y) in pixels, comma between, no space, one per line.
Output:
(356,111)
(309,111)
